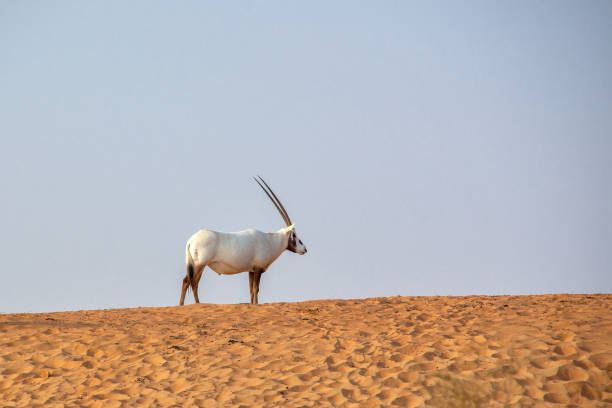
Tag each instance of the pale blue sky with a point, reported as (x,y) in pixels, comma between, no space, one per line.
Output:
(421,148)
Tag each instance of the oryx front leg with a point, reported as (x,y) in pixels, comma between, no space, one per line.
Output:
(251,280)
(257,279)
(254,278)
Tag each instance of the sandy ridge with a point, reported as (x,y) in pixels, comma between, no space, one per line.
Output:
(548,350)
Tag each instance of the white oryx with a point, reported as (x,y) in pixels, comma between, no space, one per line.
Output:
(228,253)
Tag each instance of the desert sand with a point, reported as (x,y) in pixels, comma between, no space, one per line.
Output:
(548,350)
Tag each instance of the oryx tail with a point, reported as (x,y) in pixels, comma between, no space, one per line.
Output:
(189,262)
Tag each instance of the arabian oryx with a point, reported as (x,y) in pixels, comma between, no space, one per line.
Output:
(228,253)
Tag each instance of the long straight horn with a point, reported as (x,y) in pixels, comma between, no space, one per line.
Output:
(275,200)
(278,201)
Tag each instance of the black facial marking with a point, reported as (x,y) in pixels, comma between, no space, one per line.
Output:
(291,244)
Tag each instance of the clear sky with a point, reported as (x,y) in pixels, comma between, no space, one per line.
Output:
(422,148)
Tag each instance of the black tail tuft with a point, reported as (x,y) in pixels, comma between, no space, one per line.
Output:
(190,274)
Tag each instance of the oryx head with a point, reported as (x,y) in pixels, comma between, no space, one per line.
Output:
(294,244)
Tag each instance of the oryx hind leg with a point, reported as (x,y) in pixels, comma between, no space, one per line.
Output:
(195,281)
(184,290)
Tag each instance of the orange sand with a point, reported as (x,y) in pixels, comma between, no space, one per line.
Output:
(403,351)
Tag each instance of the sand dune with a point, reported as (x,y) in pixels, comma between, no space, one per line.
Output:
(549,350)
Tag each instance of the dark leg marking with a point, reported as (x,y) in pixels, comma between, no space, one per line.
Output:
(251,282)
(196,281)
(184,290)
(256,286)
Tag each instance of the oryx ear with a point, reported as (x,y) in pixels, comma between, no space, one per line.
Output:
(290,228)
